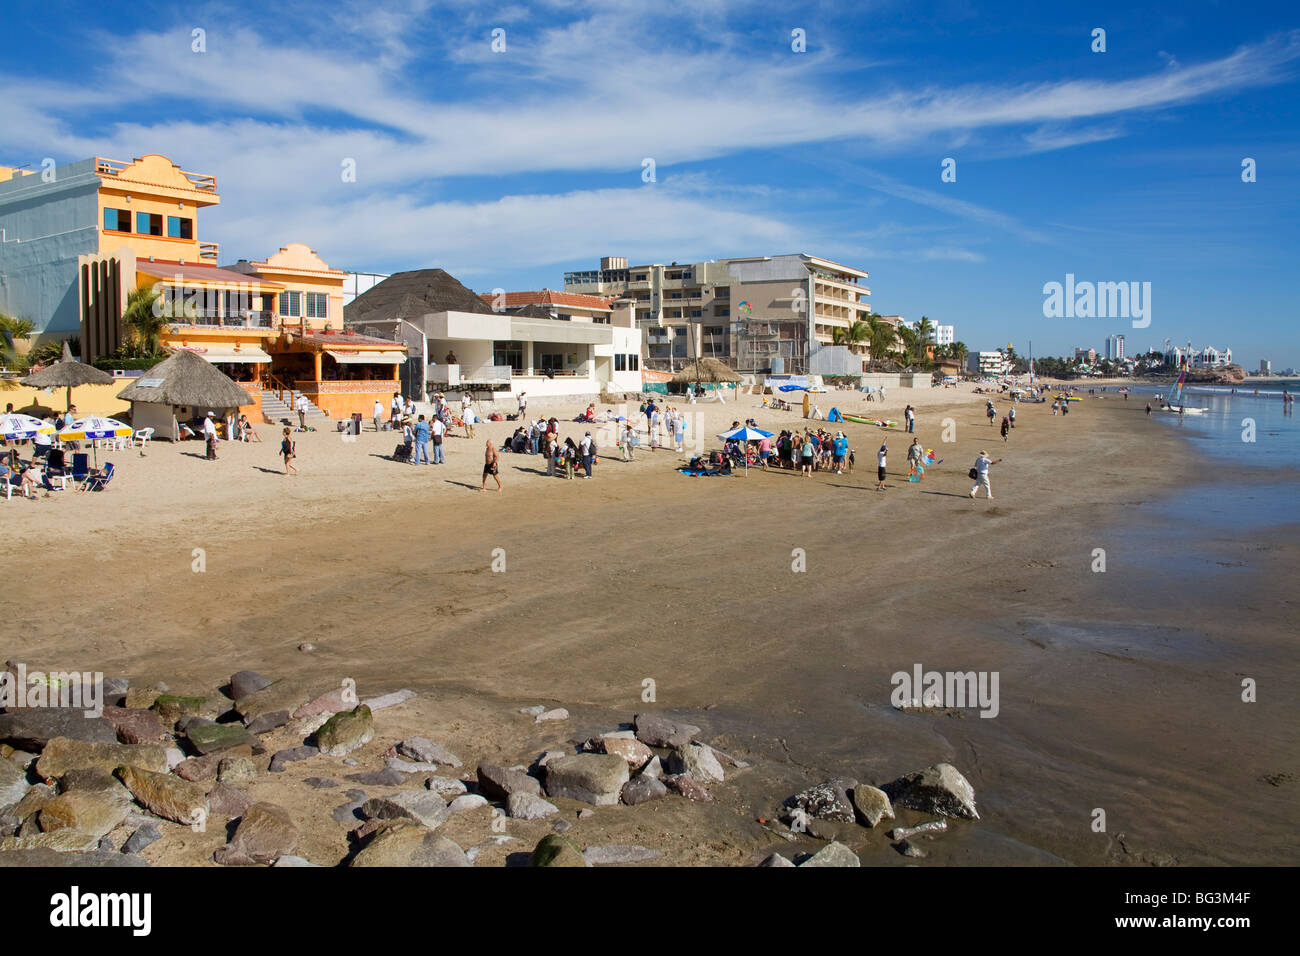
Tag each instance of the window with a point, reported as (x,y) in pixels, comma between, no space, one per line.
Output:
(117,220)
(620,362)
(318,305)
(721,310)
(291,304)
(680,333)
(509,353)
(148,224)
(723,292)
(639,277)
(178,227)
(633,363)
(697,313)
(714,330)
(550,360)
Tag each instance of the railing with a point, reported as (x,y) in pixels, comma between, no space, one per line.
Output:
(113,167)
(347,386)
(208,250)
(278,385)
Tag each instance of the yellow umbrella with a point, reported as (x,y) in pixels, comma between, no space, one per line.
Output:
(93,428)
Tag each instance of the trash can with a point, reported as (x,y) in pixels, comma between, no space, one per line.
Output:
(356,423)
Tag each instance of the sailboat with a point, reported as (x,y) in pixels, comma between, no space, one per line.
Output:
(1174,403)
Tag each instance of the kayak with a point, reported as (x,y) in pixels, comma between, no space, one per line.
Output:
(883,423)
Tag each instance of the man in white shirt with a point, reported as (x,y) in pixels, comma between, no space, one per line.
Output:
(301,406)
(439,429)
(469,419)
(981,469)
(523,404)
(880,467)
(397,406)
(210,435)
(377,413)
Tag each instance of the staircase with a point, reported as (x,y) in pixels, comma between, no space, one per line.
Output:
(273,409)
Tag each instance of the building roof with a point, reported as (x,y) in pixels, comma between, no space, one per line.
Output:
(193,272)
(549,297)
(412,294)
(186,379)
(344,340)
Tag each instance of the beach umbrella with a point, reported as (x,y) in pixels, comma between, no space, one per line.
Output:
(746,434)
(67,373)
(93,428)
(17,427)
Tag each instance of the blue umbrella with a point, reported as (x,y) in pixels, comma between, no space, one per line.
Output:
(745,433)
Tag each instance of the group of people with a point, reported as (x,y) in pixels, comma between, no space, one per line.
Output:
(809,452)
(664,420)
(563,457)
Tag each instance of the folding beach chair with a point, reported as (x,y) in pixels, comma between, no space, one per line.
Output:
(100,481)
(80,466)
(55,471)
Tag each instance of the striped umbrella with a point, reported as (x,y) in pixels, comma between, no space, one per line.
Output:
(23,427)
(93,428)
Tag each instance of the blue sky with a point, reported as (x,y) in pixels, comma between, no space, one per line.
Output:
(509,168)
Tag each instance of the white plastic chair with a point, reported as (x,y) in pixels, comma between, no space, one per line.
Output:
(142,435)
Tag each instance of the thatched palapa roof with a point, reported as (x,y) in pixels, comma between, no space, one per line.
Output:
(67,373)
(706,370)
(412,294)
(186,379)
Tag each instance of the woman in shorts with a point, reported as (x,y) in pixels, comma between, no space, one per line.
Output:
(288,451)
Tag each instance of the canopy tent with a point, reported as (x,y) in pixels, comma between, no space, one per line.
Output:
(706,370)
(245,354)
(67,373)
(183,381)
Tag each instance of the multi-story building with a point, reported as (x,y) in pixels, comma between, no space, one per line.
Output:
(1087,356)
(1208,357)
(564,306)
(746,312)
(943,334)
(1265,367)
(989,364)
(1115,348)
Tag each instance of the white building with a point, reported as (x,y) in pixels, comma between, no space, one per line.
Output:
(944,334)
(1115,348)
(989,364)
(1208,357)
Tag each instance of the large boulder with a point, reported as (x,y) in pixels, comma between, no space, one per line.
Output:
(826,801)
(214,738)
(497,783)
(33,729)
(528,806)
(872,805)
(90,811)
(833,854)
(597,779)
(940,790)
(346,731)
(655,730)
(698,760)
(63,754)
(407,843)
(641,789)
(422,806)
(13,783)
(243,683)
(555,850)
(167,796)
(630,749)
(424,750)
(137,726)
(265,833)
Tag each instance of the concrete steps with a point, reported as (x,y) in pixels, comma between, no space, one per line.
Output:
(273,409)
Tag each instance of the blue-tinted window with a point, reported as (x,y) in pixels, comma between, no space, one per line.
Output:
(148,224)
(117,220)
(178,227)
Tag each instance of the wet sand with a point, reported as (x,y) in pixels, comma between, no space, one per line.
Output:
(1118,690)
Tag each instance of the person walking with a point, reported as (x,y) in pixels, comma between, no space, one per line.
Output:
(438,428)
(1012,415)
(880,466)
(910,414)
(1006,427)
(288,451)
(210,435)
(915,458)
(300,406)
(991,412)
(1148,409)
(491,462)
(980,474)
(806,455)
(395,411)
(377,414)
(1056,406)
(569,453)
(587,450)
(629,442)
(523,404)
(421,449)
(841,451)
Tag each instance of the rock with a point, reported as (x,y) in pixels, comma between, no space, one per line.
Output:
(419,805)
(289,860)
(379,778)
(115,688)
(528,806)
(446,786)
(469,801)
(172,707)
(872,804)
(214,738)
(339,699)
(833,854)
(555,850)
(283,757)
(389,700)
(347,812)
(533,711)
(654,769)
(932,826)
(633,751)
(497,783)
(407,843)
(63,754)
(306,647)
(729,761)
(13,783)
(304,726)
(23,759)
(910,849)
(410,766)
(234,770)
(193,720)
(33,729)
(684,785)
(698,761)
(320,783)
(826,801)
(558,714)
(46,857)
(167,796)
(426,751)
(226,803)
(641,789)
(94,779)
(174,757)
(36,797)
(141,838)
(93,812)
(141,698)
(202,768)
(280,695)
(135,726)
(265,833)
(602,855)
(656,730)
(346,731)
(243,683)
(66,840)
(586,814)
(267,722)
(550,755)
(832,830)
(776,859)
(940,790)
(591,778)
(562,826)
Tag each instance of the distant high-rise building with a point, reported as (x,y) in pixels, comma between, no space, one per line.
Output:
(1085,355)
(1265,367)
(1115,347)
(944,334)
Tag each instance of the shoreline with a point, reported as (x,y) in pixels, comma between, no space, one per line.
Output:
(612,581)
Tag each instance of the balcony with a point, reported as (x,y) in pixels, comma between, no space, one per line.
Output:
(208,250)
(113,167)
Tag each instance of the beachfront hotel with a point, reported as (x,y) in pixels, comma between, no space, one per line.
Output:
(79,238)
(543,343)
(751,313)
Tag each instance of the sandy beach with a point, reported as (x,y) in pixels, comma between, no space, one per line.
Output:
(1119,690)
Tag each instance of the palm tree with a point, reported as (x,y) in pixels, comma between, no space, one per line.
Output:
(880,336)
(924,329)
(909,346)
(959,351)
(11,330)
(144,319)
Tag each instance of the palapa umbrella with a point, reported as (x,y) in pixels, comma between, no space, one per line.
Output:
(67,373)
(93,428)
(17,427)
(745,434)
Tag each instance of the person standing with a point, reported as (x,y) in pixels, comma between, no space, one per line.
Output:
(1006,427)
(490,466)
(840,451)
(654,428)
(679,429)
(629,436)
(396,410)
(915,458)
(587,451)
(880,466)
(438,429)
(1148,410)
(1012,415)
(421,449)
(523,404)
(1056,404)
(991,412)
(408,439)
(210,435)
(552,454)
(980,473)
(806,455)
(377,414)
(469,418)
(300,406)
(288,451)
(910,415)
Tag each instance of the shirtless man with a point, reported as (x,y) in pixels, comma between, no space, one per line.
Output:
(490,460)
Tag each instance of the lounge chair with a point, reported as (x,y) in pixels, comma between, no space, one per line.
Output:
(100,481)
(80,466)
(142,435)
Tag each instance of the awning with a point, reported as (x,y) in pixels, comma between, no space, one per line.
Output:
(367,358)
(246,354)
